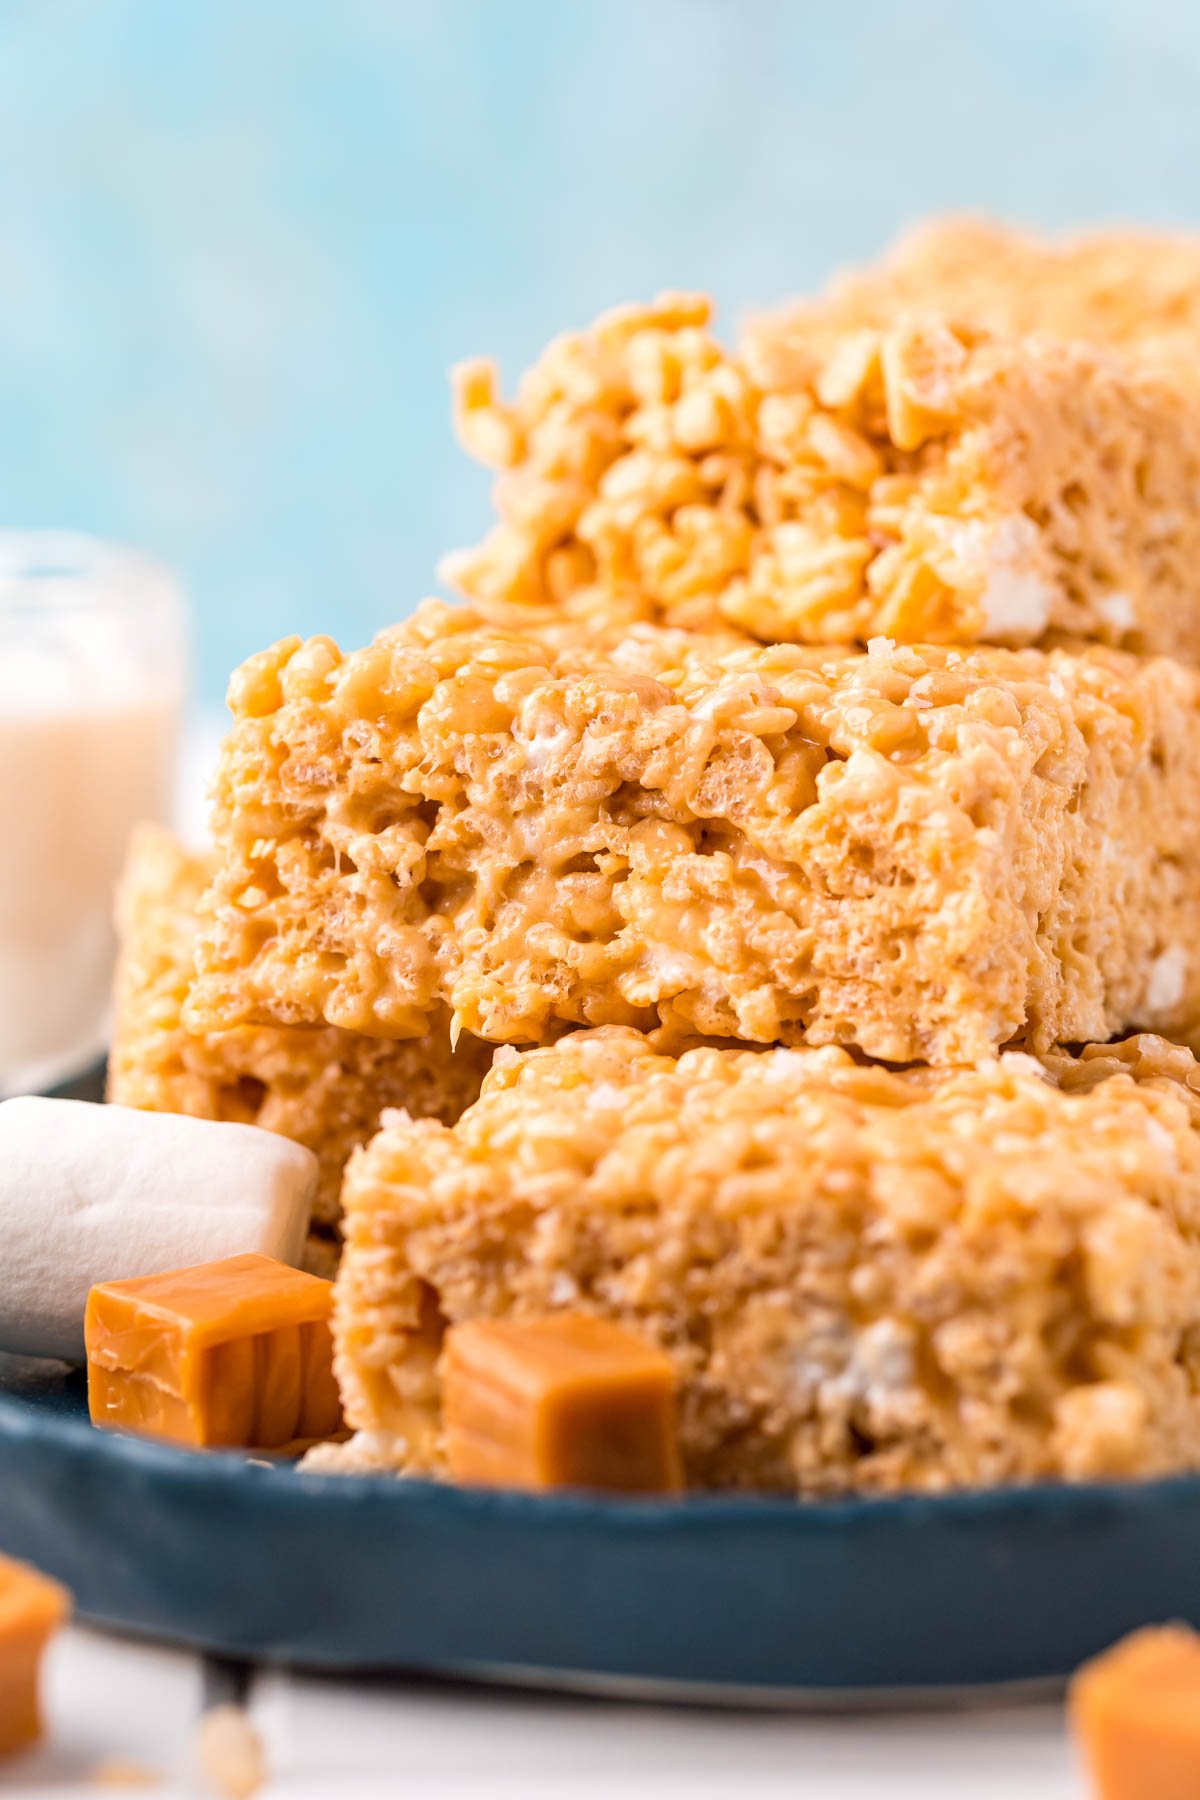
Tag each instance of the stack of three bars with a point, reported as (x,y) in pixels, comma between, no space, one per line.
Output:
(643,806)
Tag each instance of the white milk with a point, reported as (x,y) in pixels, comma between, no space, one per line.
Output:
(91,684)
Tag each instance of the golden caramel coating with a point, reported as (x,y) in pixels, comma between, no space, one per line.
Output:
(919,852)
(867,1279)
(325,1089)
(853,469)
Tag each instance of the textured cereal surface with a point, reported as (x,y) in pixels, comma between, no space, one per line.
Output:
(922,853)
(868,1280)
(874,463)
(1136,290)
(324,1088)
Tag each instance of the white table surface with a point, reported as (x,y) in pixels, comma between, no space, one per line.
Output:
(112,1701)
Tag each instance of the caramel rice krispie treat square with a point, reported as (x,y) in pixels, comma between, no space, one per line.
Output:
(324,1088)
(1138,291)
(916,476)
(867,1279)
(923,853)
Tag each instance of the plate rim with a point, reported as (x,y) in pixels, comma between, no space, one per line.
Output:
(242,1473)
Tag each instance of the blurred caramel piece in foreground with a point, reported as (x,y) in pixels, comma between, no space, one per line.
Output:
(230,1753)
(562,1401)
(1137,1712)
(32,1607)
(229,1353)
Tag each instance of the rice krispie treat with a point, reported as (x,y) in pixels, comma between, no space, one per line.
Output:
(867,1279)
(920,852)
(324,1088)
(1136,290)
(833,481)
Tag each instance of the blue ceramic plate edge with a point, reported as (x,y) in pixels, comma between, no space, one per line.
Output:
(234,1470)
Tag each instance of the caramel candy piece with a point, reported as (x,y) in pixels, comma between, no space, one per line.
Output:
(32,1607)
(230,1353)
(1137,1712)
(562,1401)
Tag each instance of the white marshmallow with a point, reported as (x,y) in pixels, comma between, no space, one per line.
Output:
(100,1193)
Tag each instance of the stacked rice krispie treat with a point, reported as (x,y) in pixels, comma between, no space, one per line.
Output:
(808,799)
(324,1088)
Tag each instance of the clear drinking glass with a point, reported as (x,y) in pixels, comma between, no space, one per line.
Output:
(93,667)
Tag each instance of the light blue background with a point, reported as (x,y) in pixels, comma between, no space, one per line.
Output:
(241,240)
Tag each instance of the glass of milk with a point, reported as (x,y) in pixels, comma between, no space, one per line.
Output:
(93,657)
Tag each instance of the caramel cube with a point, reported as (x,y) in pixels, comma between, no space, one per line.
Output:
(32,1607)
(562,1401)
(229,1353)
(1137,1712)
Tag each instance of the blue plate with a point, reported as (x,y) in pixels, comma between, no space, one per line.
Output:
(234,1556)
